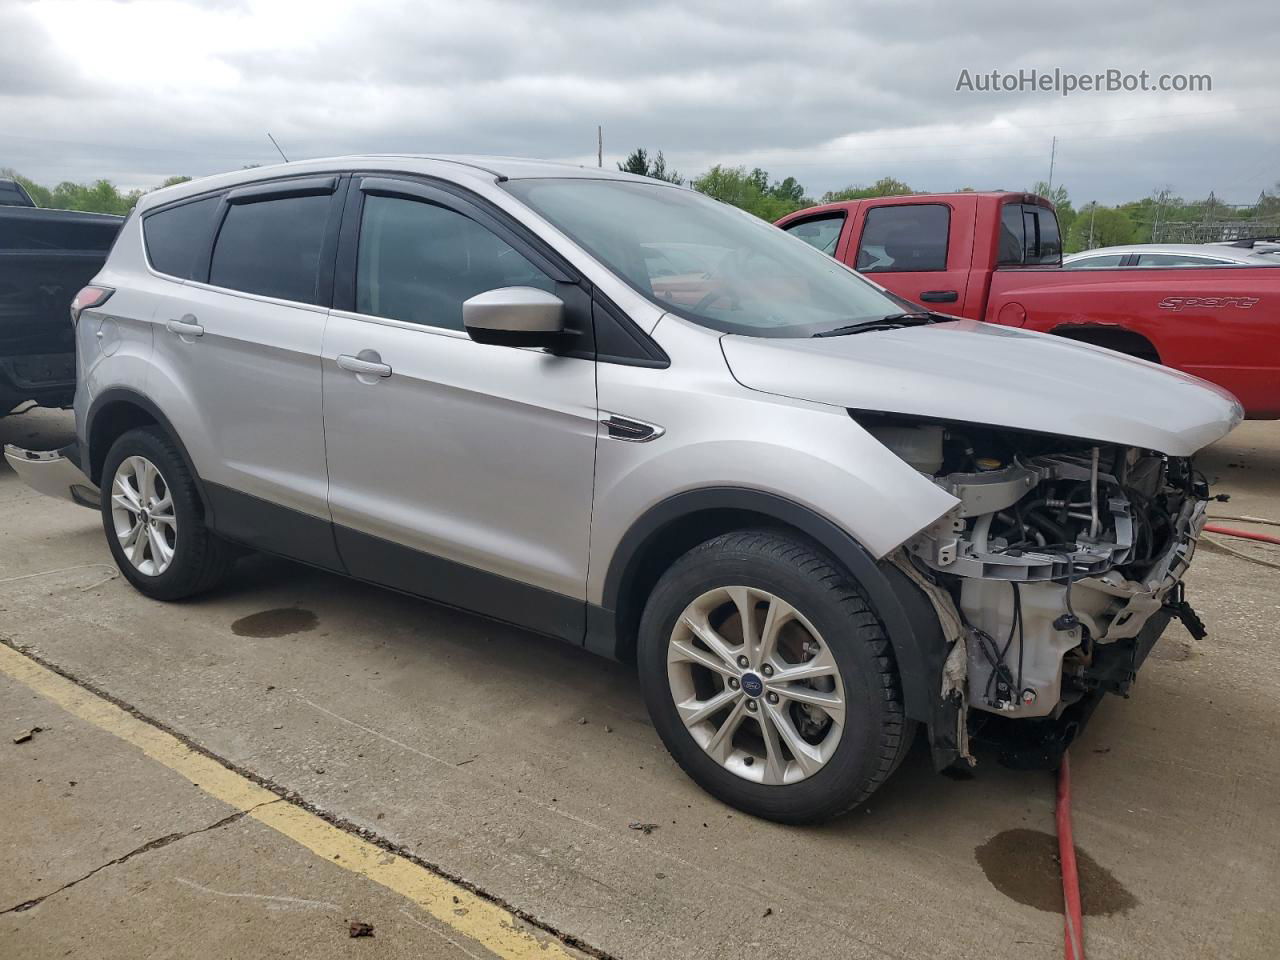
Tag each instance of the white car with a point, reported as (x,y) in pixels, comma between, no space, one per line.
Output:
(1166,255)
(1256,245)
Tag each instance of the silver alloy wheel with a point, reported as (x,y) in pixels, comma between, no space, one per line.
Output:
(143,516)
(756,685)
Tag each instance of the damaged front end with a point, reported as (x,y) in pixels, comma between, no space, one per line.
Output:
(1054,574)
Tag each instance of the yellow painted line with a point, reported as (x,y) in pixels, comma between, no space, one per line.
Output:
(489,925)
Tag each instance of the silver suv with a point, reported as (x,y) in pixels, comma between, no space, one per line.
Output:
(608,409)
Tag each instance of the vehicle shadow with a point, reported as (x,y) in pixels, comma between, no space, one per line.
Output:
(915,804)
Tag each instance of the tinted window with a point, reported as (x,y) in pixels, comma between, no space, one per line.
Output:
(1176,260)
(178,238)
(1028,234)
(1011,234)
(94,232)
(272,248)
(909,238)
(820,232)
(417,262)
(1094,263)
(12,195)
(1050,242)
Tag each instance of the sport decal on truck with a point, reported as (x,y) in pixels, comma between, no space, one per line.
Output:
(1182,303)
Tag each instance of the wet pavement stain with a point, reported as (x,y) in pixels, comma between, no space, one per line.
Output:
(1023,865)
(1176,650)
(268,624)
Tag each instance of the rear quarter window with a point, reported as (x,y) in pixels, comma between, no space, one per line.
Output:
(177,238)
(1028,235)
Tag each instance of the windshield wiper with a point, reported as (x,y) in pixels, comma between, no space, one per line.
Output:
(891,321)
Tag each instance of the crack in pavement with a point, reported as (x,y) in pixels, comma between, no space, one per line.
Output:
(147,847)
(293,798)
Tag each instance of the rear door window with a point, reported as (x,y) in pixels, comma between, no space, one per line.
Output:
(909,238)
(177,238)
(820,232)
(272,247)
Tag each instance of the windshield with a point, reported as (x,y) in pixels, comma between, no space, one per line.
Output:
(706,260)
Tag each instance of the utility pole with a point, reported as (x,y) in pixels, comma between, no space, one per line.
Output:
(1093,209)
(599,145)
(1053,150)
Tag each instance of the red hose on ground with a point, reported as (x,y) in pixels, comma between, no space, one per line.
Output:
(1243,534)
(1072,921)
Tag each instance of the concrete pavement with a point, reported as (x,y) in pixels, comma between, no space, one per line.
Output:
(463,741)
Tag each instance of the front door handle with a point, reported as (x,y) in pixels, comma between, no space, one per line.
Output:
(186,327)
(366,364)
(940,296)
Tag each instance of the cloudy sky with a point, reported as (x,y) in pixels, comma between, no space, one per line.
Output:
(831,93)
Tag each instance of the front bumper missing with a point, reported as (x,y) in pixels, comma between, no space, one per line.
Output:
(55,473)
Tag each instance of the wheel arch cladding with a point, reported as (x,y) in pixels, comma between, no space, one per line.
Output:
(115,412)
(683,521)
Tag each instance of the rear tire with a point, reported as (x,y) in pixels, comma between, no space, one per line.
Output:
(851,693)
(154,520)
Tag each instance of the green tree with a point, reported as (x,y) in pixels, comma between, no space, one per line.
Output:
(884,187)
(751,191)
(789,190)
(1097,226)
(101,196)
(638,162)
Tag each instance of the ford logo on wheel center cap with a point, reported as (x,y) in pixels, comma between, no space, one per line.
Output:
(752,685)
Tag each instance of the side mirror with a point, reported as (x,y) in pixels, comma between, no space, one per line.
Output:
(515,317)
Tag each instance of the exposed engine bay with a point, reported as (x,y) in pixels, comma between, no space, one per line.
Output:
(1058,555)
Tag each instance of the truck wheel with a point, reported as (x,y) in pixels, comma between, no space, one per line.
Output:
(770,679)
(154,521)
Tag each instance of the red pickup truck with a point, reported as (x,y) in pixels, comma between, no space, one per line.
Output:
(998,257)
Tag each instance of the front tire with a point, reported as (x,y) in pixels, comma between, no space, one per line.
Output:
(796,718)
(154,521)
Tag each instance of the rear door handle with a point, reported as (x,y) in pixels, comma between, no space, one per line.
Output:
(186,327)
(367,364)
(940,296)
